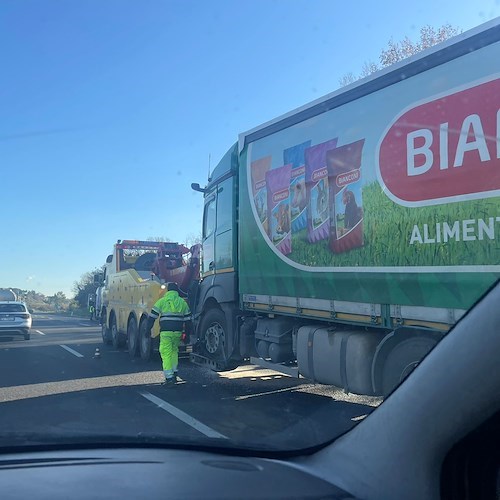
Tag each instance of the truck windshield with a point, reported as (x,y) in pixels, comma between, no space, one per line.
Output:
(238,224)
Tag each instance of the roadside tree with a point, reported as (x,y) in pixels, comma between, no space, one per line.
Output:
(397,51)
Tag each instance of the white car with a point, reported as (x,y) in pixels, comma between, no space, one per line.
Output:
(15,319)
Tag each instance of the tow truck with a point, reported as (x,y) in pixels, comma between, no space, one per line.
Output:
(135,277)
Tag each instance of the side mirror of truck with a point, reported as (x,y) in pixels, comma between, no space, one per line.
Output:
(98,278)
(196,187)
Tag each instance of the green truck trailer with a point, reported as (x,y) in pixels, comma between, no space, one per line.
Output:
(344,239)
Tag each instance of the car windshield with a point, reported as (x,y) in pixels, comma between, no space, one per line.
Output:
(237,224)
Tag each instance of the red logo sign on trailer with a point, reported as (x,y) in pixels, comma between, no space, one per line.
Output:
(348,178)
(444,150)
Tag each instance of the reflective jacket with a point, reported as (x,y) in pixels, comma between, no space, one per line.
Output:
(173,312)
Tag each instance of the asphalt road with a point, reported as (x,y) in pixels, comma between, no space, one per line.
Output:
(53,385)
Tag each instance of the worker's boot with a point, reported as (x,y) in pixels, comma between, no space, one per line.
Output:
(176,377)
(169,382)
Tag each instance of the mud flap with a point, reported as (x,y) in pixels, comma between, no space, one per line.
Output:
(206,362)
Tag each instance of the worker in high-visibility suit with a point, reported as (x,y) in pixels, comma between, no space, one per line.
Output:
(174,313)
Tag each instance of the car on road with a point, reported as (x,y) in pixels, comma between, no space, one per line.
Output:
(15,319)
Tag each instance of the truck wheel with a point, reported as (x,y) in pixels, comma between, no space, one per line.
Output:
(115,334)
(132,337)
(145,343)
(27,335)
(105,332)
(402,360)
(213,334)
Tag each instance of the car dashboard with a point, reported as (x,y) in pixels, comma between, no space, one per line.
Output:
(154,473)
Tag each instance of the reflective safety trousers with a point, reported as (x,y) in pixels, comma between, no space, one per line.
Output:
(173,312)
(169,352)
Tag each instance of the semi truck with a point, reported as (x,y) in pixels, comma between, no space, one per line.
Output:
(134,278)
(343,240)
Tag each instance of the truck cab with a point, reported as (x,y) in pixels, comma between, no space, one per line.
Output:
(216,310)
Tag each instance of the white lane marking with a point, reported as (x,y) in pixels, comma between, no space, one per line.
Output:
(357,419)
(38,331)
(72,351)
(184,417)
(84,324)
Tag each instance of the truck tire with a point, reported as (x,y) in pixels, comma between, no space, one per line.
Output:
(402,360)
(213,335)
(132,337)
(116,337)
(145,343)
(105,332)
(27,335)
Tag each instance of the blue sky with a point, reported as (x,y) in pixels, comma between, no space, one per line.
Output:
(110,109)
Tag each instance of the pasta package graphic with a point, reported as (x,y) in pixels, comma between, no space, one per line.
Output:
(259,191)
(278,203)
(316,177)
(298,195)
(346,202)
